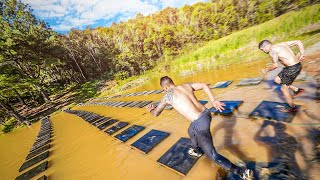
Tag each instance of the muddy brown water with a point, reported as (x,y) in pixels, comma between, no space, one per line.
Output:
(80,151)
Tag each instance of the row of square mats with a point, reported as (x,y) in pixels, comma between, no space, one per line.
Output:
(266,109)
(222,84)
(38,152)
(176,158)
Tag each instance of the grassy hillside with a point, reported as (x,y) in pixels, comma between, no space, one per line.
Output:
(241,46)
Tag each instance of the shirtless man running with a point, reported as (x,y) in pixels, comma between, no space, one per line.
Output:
(284,53)
(183,100)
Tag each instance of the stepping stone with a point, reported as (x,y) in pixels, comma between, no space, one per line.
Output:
(129,133)
(145,103)
(149,140)
(113,103)
(134,103)
(158,91)
(250,81)
(127,103)
(34,171)
(116,128)
(96,123)
(117,104)
(41,140)
(97,119)
(34,161)
(37,151)
(150,92)
(92,118)
(177,157)
(272,110)
(228,109)
(121,104)
(42,143)
(137,105)
(203,102)
(44,177)
(222,84)
(44,133)
(106,124)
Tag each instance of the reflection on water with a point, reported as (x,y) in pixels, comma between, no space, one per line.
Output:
(81,151)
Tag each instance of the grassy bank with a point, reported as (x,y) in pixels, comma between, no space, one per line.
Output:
(240,46)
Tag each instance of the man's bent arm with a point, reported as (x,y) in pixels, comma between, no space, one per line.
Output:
(205,88)
(299,45)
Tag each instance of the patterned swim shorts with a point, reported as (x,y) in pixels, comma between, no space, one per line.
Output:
(289,74)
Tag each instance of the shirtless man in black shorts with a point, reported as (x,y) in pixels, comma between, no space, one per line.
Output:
(183,100)
(283,53)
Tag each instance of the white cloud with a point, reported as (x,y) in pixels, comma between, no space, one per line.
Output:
(81,13)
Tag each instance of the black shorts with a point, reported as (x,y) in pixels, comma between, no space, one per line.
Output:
(289,74)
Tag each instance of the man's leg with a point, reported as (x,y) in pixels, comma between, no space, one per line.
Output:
(205,142)
(293,88)
(192,136)
(287,95)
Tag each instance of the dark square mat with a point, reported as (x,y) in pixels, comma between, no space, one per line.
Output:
(222,84)
(145,103)
(34,161)
(137,105)
(106,124)
(116,128)
(177,157)
(40,144)
(250,81)
(34,171)
(158,91)
(44,177)
(122,104)
(37,151)
(127,103)
(150,140)
(134,103)
(129,133)
(203,102)
(272,110)
(104,119)
(228,109)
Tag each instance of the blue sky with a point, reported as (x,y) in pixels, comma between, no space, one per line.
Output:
(62,15)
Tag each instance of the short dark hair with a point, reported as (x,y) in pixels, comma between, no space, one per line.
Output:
(264,43)
(166,80)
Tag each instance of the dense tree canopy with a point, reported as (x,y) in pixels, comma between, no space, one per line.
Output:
(34,58)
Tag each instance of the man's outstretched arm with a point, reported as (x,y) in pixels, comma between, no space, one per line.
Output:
(156,111)
(203,86)
(275,60)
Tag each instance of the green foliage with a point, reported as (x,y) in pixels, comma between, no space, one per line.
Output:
(9,125)
(121,75)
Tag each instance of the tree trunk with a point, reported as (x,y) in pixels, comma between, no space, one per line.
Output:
(13,113)
(19,97)
(43,93)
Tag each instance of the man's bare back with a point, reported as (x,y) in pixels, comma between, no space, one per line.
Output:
(184,101)
(285,54)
